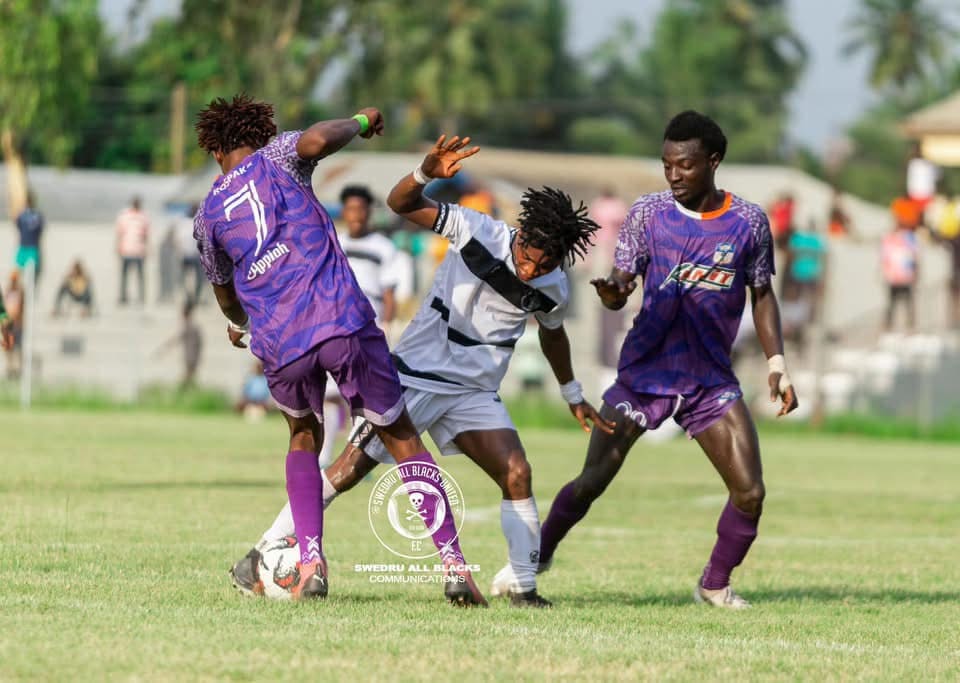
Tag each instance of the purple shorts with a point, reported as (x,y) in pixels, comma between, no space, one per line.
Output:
(693,412)
(362,368)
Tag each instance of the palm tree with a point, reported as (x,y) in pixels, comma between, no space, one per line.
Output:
(906,39)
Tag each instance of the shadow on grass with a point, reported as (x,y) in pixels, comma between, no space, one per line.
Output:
(805,594)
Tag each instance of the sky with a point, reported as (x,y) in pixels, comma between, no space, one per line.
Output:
(831,94)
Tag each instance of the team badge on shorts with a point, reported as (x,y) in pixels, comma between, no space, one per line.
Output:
(727,396)
(723,254)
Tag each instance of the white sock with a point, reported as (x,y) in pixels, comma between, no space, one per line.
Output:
(521,526)
(283,525)
(331,427)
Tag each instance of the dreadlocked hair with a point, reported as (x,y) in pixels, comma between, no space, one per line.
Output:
(243,122)
(549,222)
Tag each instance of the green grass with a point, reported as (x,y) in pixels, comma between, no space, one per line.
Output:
(117,530)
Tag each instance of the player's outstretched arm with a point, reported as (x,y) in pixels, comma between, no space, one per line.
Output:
(326,137)
(556,349)
(766,320)
(615,289)
(442,161)
(239,321)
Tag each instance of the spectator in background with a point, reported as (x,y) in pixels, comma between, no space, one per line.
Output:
(899,257)
(781,216)
(30,224)
(948,233)
(922,177)
(255,398)
(191,338)
(191,272)
(169,257)
(76,287)
(6,326)
(13,302)
(807,264)
(608,211)
(133,233)
(838,222)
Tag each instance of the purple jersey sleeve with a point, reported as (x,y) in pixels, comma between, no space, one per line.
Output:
(282,151)
(633,254)
(217,264)
(759,268)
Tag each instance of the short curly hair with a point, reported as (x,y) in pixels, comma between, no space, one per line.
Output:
(224,126)
(692,125)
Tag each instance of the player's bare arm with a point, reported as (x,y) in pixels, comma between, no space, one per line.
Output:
(556,349)
(326,137)
(766,320)
(442,161)
(232,308)
(615,289)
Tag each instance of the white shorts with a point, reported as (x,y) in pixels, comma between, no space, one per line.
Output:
(444,416)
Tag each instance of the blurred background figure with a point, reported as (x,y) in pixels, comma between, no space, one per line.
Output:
(947,232)
(255,401)
(13,301)
(168,257)
(806,265)
(133,233)
(191,272)
(76,288)
(838,222)
(30,225)
(922,178)
(899,256)
(781,215)
(609,212)
(190,337)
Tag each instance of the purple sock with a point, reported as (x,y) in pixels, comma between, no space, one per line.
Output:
(565,511)
(304,488)
(735,533)
(420,473)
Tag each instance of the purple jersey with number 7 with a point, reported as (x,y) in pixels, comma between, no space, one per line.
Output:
(695,269)
(262,226)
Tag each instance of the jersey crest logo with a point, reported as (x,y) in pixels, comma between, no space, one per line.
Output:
(704,277)
(723,255)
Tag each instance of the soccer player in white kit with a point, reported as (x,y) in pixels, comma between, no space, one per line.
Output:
(453,355)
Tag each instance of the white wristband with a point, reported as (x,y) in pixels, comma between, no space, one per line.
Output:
(778,364)
(572,392)
(420,177)
(239,328)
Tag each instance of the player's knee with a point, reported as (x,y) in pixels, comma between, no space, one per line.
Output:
(750,500)
(588,487)
(516,483)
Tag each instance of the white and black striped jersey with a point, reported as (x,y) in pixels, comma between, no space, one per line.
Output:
(466,329)
(372,259)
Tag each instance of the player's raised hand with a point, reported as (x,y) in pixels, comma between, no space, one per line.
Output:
(781,388)
(376,122)
(613,293)
(583,411)
(443,160)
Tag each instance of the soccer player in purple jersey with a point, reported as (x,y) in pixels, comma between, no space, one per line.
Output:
(271,252)
(696,249)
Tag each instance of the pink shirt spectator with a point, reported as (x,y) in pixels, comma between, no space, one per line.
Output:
(609,211)
(133,229)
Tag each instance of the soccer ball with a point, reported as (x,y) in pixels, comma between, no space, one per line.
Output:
(280,568)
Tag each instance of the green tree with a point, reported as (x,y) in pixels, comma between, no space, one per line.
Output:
(741,75)
(446,63)
(48,56)
(907,41)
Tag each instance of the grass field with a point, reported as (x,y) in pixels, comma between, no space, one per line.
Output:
(117,531)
